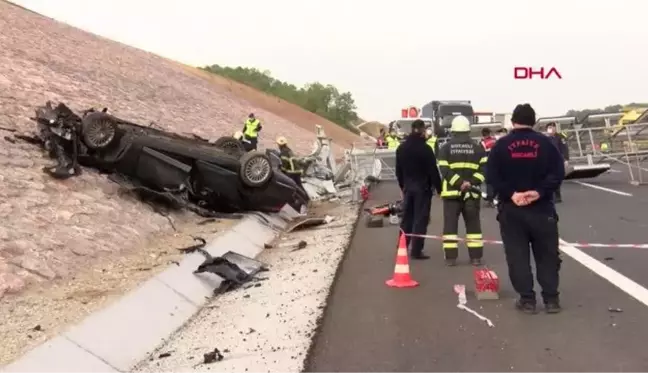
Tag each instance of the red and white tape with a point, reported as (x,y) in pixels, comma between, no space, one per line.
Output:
(577,244)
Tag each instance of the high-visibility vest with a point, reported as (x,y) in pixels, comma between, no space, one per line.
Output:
(432,142)
(251,128)
(392,142)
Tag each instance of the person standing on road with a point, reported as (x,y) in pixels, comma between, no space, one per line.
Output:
(526,169)
(560,141)
(488,141)
(462,162)
(251,130)
(431,140)
(417,175)
(392,140)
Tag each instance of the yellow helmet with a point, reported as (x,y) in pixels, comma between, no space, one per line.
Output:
(460,124)
(282,140)
(238,135)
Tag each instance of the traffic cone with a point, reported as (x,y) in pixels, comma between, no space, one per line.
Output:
(402,277)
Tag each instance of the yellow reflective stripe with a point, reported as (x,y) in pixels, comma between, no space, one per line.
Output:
(451,237)
(453,179)
(479,176)
(469,165)
(450,245)
(483,160)
(290,162)
(443,163)
(475,244)
(473,236)
(450,193)
(475,240)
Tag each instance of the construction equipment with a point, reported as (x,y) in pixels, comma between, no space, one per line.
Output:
(443,111)
(377,214)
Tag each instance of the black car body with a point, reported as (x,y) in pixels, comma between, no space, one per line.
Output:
(205,176)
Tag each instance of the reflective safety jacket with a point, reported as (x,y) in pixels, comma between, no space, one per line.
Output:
(289,163)
(392,142)
(461,159)
(432,142)
(251,128)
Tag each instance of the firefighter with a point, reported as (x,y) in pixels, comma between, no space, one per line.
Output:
(251,130)
(487,142)
(290,165)
(559,139)
(462,162)
(392,140)
(526,169)
(418,176)
(431,140)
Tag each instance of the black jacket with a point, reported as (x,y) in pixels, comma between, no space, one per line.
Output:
(461,159)
(560,142)
(416,166)
(525,160)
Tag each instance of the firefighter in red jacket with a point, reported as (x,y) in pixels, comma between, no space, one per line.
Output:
(488,141)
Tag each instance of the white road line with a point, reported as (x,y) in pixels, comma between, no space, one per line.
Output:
(603,188)
(613,170)
(630,287)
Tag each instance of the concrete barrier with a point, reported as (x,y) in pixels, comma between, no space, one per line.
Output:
(126,332)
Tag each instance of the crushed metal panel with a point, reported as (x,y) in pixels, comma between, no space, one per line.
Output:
(250,266)
(307,223)
(587,171)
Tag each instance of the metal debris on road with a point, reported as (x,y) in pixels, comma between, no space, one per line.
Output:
(615,310)
(212,357)
(194,248)
(300,246)
(235,269)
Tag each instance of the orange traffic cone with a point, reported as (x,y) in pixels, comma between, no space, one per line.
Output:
(402,277)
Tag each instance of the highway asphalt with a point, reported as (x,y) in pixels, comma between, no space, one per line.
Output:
(370,327)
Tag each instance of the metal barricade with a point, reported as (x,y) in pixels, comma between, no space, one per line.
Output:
(368,160)
(626,145)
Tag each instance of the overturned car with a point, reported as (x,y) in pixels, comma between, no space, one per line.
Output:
(190,172)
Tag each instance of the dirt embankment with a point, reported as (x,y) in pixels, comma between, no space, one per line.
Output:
(51,229)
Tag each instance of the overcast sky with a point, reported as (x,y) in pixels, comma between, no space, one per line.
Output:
(391,54)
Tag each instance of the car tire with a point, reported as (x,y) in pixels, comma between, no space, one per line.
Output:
(255,170)
(230,145)
(99,130)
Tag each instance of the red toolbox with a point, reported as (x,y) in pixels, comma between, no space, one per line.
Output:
(486,284)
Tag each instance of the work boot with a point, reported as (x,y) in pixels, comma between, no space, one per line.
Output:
(476,262)
(451,262)
(420,256)
(526,306)
(552,306)
(60,172)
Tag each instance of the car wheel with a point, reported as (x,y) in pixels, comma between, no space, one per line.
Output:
(230,145)
(256,169)
(99,130)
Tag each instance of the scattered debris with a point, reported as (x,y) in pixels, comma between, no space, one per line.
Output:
(212,357)
(164,355)
(608,258)
(37,328)
(194,248)
(207,221)
(462,305)
(235,269)
(300,245)
(308,223)
(615,310)
(267,246)
(9,139)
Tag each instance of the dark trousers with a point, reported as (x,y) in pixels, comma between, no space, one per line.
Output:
(525,230)
(469,209)
(416,216)
(296,177)
(250,143)
(558,195)
(490,193)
